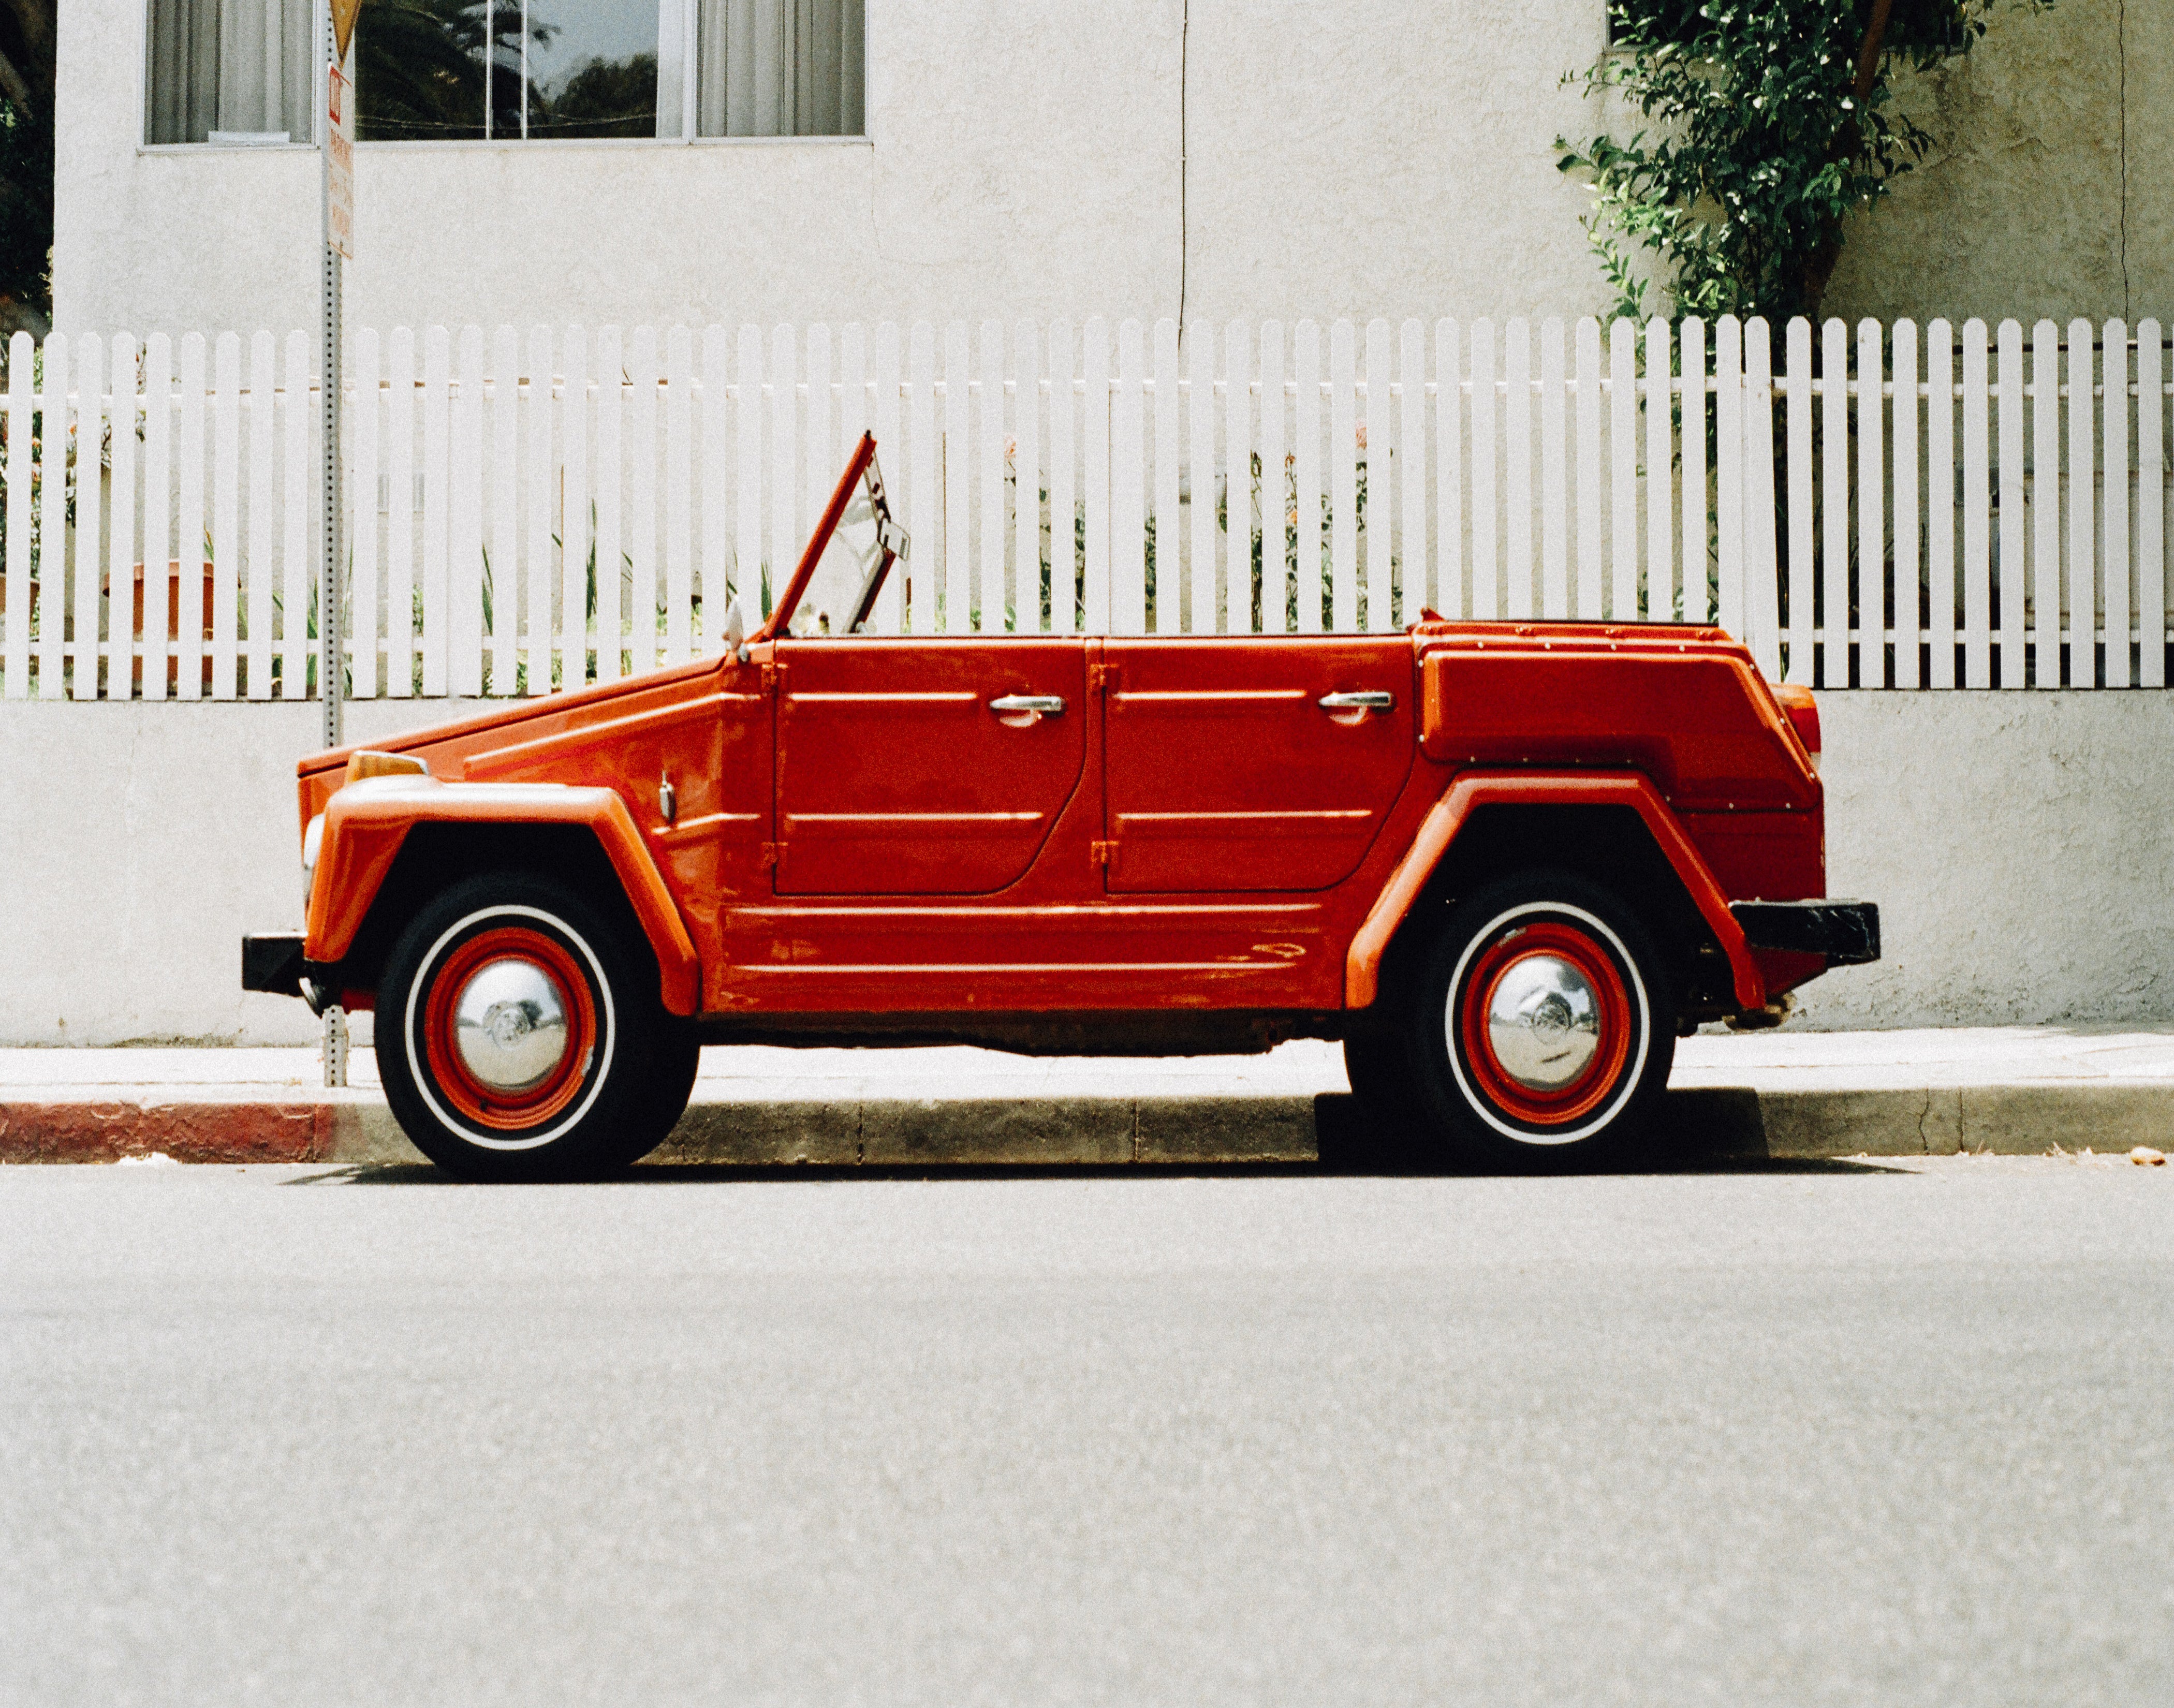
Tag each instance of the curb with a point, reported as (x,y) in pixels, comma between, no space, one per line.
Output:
(892,1133)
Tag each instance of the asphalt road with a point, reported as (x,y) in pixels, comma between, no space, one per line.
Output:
(1865,1436)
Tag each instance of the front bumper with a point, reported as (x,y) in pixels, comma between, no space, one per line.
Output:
(1847,932)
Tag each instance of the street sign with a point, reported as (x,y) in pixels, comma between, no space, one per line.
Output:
(339,163)
(343,12)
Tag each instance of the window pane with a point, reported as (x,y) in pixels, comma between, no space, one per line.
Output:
(419,69)
(782,67)
(241,68)
(592,67)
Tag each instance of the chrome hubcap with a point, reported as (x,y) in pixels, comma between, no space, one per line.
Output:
(510,1024)
(1543,1023)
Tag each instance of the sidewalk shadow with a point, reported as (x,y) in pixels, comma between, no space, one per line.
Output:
(1702,1132)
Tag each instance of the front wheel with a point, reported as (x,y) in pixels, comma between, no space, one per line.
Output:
(1543,1034)
(520,1035)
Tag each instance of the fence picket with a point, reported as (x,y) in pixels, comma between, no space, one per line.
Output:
(680,639)
(575,528)
(1728,473)
(467,575)
(1517,468)
(1202,602)
(1416,582)
(121,558)
(1486,566)
(2080,470)
(1834,492)
(1278,513)
(15,605)
(362,532)
(52,608)
(1623,469)
(853,392)
(157,512)
(1871,510)
(752,587)
(437,586)
(1306,450)
(642,377)
(1903,450)
(818,459)
(1343,481)
(1977,511)
(956,608)
(1696,607)
(1761,618)
(1660,474)
(298,569)
(999,607)
(1238,517)
(2044,502)
(1803,565)
(89,435)
(1447,579)
(1588,469)
(540,474)
(1555,479)
(2150,506)
(1378,525)
(225,510)
(783,395)
(607,475)
(191,539)
(1162,615)
(505,508)
(2114,374)
(1941,491)
(262,571)
(717,512)
(923,469)
(2014,578)
(400,524)
(1026,477)
(1066,565)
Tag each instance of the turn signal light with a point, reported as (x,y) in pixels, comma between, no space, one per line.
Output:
(1803,713)
(367,763)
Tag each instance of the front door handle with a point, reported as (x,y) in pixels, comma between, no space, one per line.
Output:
(1050,704)
(1367,700)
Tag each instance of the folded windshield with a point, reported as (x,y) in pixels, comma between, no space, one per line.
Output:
(834,590)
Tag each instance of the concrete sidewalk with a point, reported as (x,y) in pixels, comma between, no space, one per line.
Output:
(1809,1094)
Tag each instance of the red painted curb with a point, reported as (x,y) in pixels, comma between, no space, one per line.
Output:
(236,1132)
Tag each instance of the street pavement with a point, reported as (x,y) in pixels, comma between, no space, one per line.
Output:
(1894,1433)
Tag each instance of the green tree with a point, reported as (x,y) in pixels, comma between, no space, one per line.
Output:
(26,163)
(1771,123)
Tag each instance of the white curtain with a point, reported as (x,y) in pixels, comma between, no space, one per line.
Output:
(237,65)
(782,67)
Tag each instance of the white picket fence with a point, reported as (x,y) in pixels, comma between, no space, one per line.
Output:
(1913,510)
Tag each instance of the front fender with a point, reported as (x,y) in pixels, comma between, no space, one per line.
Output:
(1362,965)
(366,823)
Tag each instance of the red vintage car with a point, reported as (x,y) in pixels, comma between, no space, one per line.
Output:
(1506,864)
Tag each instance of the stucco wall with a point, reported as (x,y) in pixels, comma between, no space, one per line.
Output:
(1371,158)
(2019,845)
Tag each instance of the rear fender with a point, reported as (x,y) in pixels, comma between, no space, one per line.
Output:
(1362,965)
(367,822)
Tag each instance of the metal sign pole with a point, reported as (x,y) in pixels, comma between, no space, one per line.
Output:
(336,181)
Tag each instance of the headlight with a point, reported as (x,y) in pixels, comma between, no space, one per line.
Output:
(312,840)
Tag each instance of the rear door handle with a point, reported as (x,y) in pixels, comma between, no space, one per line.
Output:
(1049,703)
(1367,700)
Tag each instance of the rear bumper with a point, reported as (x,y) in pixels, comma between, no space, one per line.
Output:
(1847,932)
(272,961)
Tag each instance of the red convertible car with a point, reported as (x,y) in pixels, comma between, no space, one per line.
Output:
(1506,863)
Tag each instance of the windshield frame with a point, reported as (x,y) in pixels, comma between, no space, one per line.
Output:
(890,538)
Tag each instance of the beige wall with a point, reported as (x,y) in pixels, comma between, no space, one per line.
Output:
(1372,157)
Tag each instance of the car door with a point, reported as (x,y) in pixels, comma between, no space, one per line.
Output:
(923,767)
(1251,764)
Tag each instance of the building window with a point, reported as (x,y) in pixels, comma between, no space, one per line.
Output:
(231,71)
(514,70)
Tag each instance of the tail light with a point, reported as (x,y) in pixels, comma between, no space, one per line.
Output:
(1803,714)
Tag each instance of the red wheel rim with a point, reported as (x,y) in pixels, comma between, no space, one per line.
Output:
(470,1098)
(1533,1105)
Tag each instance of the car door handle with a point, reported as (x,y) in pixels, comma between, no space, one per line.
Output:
(1049,703)
(1365,700)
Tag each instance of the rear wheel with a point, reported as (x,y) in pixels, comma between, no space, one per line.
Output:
(520,1035)
(1542,1035)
